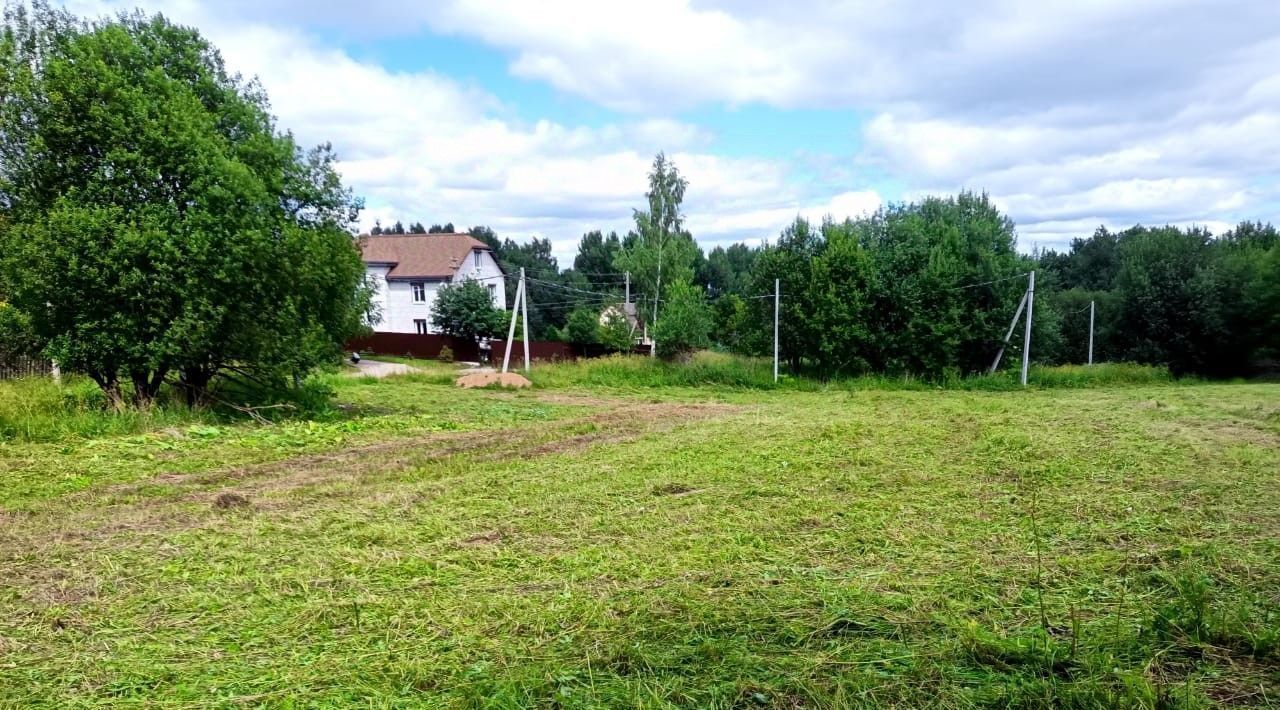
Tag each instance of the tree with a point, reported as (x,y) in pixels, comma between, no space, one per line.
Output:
(441,229)
(684,325)
(729,270)
(730,317)
(1172,308)
(466,310)
(583,327)
(789,261)
(596,256)
(661,252)
(159,223)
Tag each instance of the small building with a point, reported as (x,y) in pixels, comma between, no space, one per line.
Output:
(407,270)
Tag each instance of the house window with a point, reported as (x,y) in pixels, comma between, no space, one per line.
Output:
(420,325)
(477,257)
(493,293)
(419,292)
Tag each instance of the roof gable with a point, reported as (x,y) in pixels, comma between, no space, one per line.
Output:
(420,256)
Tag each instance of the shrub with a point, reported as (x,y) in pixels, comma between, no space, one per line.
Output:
(446,354)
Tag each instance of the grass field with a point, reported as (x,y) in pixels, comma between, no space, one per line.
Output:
(653,545)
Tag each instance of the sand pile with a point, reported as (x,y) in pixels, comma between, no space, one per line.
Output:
(486,379)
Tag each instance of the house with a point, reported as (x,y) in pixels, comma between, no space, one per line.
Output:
(407,270)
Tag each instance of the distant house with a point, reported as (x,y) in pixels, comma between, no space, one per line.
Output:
(407,270)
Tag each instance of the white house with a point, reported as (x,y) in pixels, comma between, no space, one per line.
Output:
(407,270)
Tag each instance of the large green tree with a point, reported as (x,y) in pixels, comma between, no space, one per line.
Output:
(160,225)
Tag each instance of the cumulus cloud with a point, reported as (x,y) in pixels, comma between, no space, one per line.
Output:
(1071,113)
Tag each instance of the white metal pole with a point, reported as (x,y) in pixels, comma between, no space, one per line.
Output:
(777,301)
(524,313)
(1090,332)
(511,331)
(628,298)
(1026,339)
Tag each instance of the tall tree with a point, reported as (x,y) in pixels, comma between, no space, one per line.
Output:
(662,252)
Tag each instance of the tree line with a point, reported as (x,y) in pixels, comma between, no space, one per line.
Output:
(924,288)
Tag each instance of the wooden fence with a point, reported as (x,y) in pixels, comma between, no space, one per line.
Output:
(14,366)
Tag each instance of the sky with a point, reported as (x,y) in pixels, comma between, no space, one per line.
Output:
(542,118)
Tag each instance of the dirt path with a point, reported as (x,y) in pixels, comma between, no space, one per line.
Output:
(379,369)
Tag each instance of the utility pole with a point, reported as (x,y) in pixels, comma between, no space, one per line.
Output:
(1026,339)
(628,298)
(1090,332)
(511,331)
(524,310)
(777,304)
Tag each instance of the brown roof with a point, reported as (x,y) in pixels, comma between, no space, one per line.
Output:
(420,256)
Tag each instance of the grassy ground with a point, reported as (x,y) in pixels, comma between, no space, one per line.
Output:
(656,546)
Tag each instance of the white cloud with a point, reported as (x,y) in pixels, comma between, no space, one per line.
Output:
(1071,113)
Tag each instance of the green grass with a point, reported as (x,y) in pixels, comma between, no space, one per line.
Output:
(722,545)
(710,369)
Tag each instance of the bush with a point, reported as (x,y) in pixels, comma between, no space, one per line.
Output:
(446,354)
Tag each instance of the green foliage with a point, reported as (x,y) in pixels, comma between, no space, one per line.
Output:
(730,322)
(596,255)
(16,335)
(684,324)
(924,289)
(729,270)
(466,310)
(583,327)
(159,223)
(1170,296)
(446,354)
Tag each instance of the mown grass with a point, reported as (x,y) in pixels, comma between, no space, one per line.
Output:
(578,546)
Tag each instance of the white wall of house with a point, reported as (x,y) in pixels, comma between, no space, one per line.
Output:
(398,309)
(485,268)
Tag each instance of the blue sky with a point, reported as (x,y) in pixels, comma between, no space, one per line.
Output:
(541,118)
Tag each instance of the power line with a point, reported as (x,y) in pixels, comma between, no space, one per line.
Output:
(988,283)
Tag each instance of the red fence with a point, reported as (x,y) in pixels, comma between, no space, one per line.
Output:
(428,347)
(539,350)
